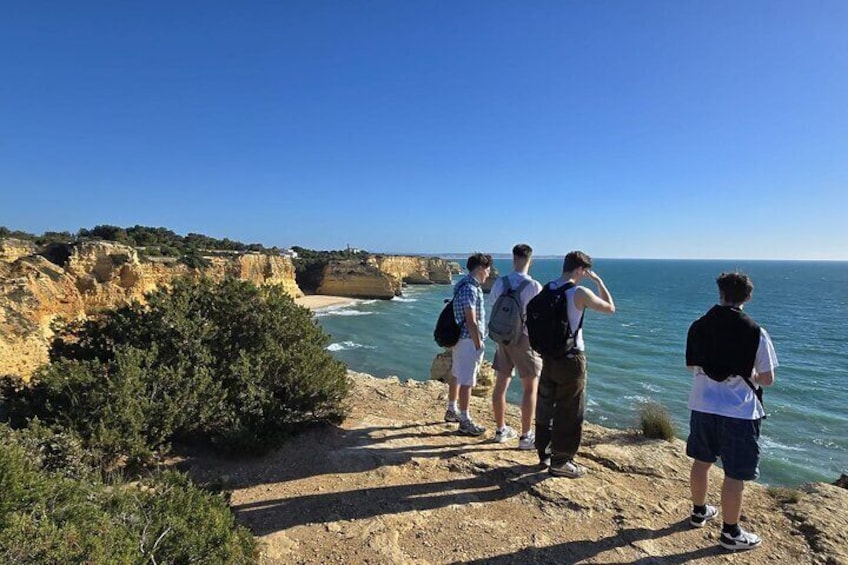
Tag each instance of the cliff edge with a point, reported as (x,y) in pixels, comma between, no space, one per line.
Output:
(395,484)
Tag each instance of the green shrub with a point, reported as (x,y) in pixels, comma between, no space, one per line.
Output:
(47,517)
(655,421)
(226,363)
(786,495)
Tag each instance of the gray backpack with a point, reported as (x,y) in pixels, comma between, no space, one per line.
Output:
(507,323)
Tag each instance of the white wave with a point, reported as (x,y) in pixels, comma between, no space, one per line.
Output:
(347,345)
(649,387)
(827,443)
(769,443)
(637,398)
(341,312)
(402,299)
(628,324)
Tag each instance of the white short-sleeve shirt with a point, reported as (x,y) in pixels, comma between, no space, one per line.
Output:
(733,397)
(515,279)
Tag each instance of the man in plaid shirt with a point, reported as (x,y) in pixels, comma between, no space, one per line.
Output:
(469,313)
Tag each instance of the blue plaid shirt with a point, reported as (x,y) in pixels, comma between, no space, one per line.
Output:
(469,294)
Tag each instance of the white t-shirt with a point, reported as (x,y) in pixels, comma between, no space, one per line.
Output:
(733,397)
(515,279)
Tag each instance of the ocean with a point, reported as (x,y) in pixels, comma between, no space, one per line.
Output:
(638,354)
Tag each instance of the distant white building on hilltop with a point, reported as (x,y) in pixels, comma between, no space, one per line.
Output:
(290,253)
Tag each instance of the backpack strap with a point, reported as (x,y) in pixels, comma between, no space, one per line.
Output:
(563,289)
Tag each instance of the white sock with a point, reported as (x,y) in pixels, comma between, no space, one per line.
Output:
(452,406)
(464,415)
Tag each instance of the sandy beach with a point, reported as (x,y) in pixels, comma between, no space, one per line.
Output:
(319,301)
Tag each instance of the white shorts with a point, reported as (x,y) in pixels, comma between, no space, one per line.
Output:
(466,362)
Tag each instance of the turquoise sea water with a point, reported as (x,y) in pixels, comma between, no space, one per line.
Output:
(637,354)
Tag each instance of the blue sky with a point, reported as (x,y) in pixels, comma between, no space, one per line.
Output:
(688,129)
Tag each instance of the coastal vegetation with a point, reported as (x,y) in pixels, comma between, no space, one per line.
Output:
(226,365)
(655,421)
(151,241)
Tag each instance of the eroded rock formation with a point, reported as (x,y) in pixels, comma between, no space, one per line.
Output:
(72,281)
(357,280)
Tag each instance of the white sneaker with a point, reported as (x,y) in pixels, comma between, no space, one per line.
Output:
(505,434)
(745,540)
(527,442)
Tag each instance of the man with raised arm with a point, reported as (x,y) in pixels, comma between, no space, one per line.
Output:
(731,358)
(562,386)
(470,314)
(518,355)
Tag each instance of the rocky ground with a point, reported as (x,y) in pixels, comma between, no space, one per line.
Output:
(395,484)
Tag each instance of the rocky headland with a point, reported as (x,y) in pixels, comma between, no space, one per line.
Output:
(74,281)
(395,484)
(377,276)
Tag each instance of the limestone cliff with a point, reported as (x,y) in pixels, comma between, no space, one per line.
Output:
(12,249)
(77,280)
(357,280)
(413,270)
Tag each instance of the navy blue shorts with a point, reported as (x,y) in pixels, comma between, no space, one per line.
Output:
(733,439)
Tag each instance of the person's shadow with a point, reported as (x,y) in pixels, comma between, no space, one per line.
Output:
(575,551)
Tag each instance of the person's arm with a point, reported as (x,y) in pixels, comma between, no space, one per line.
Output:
(765,379)
(471,324)
(766,361)
(585,298)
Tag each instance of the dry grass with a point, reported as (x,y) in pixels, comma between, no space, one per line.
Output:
(786,495)
(655,421)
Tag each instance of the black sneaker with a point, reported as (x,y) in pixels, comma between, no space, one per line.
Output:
(745,540)
(698,520)
(469,428)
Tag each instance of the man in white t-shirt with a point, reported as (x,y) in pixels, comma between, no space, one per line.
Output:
(731,357)
(519,355)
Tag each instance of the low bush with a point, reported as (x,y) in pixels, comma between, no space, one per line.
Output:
(786,495)
(226,363)
(48,517)
(655,421)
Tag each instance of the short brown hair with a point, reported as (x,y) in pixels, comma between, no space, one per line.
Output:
(522,251)
(478,260)
(735,288)
(574,260)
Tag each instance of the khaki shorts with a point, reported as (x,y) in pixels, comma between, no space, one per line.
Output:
(466,362)
(519,356)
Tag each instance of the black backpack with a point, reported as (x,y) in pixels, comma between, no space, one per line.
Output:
(547,322)
(447,330)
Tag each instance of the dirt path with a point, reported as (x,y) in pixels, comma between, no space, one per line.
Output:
(395,484)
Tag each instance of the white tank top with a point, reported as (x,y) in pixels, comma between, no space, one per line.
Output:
(574,316)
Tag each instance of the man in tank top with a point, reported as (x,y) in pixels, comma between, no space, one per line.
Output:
(731,358)
(562,386)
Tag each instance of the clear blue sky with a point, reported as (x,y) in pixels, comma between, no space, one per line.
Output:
(628,129)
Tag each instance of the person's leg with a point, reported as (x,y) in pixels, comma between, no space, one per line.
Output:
(528,365)
(499,398)
(464,398)
(528,403)
(453,392)
(570,408)
(545,406)
(503,367)
(731,500)
(699,481)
